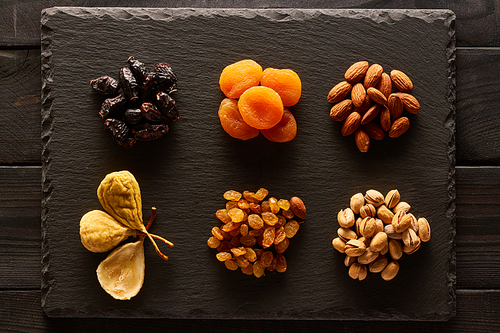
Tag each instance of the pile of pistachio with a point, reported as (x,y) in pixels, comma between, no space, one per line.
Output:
(376,239)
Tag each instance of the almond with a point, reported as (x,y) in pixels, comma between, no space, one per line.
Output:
(395,105)
(367,103)
(356,72)
(339,92)
(362,140)
(374,131)
(341,110)
(351,124)
(371,114)
(401,81)
(400,126)
(385,119)
(358,94)
(373,75)
(410,103)
(385,85)
(298,208)
(376,96)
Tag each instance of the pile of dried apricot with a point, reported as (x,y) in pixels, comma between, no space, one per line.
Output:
(255,231)
(257,100)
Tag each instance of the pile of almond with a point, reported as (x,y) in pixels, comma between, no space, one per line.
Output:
(367,105)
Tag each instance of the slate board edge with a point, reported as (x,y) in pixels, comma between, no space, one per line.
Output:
(272,14)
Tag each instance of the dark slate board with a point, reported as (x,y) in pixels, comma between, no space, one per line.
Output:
(185,173)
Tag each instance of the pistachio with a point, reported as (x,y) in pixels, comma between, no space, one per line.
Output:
(355,248)
(389,230)
(392,198)
(348,261)
(374,197)
(338,244)
(401,221)
(346,218)
(346,234)
(378,264)
(358,271)
(390,271)
(379,226)
(410,238)
(385,214)
(367,257)
(413,222)
(357,201)
(401,206)
(367,210)
(365,240)
(378,242)
(357,224)
(385,249)
(411,250)
(367,227)
(395,249)
(424,229)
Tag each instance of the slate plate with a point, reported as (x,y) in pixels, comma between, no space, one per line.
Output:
(185,173)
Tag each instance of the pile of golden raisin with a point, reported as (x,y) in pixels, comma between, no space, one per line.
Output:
(256,101)
(255,231)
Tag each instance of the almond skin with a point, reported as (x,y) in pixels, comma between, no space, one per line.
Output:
(373,75)
(367,103)
(371,114)
(376,96)
(356,72)
(362,140)
(395,105)
(339,92)
(399,127)
(410,103)
(341,110)
(298,208)
(385,85)
(385,119)
(358,94)
(351,124)
(374,131)
(401,81)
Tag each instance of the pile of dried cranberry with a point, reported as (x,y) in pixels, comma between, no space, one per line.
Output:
(140,106)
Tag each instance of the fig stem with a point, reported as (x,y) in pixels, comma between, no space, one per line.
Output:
(140,233)
(153,215)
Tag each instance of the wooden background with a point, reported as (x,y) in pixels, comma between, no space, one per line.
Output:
(477,174)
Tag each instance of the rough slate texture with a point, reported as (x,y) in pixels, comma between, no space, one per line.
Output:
(185,173)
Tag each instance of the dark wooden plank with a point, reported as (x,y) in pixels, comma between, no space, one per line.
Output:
(477,240)
(20,106)
(20,227)
(476,25)
(477,311)
(478,123)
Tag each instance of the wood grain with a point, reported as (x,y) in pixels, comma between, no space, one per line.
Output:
(476,25)
(20,106)
(21,311)
(478,123)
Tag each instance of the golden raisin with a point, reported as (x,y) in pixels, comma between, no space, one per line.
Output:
(244,229)
(255,221)
(261,194)
(270,218)
(213,242)
(248,270)
(232,195)
(282,246)
(284,204)
(242,261)
(231,264)
(236,214)
(273,205)
(230,226)
(280,263)
(258,270)
(266,258)
(291,228)
(223,216)
(248,240)
(279,235)
(251,256)
(238,251)
(230,205)
(217,233)
(268,237)
(223,256)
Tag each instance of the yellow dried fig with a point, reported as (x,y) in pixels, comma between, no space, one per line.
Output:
(120,195)
(99,232)
(121,274)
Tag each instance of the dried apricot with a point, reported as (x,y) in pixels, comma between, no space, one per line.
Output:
(285,82)
(232,122)
(283,131)
(239,76)
(261,107)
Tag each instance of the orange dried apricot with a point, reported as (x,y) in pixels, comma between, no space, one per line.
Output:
(284,131)
(261,107)
(239,76)
(232,122)
(285,82)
